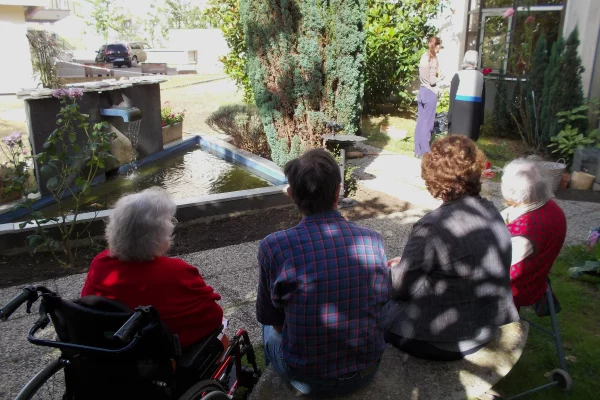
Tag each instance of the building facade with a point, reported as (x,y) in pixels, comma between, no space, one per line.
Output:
(16,71)
(482,25)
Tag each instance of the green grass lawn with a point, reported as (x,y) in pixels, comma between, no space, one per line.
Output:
(579,323)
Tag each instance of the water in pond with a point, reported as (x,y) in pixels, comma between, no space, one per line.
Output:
(187,174)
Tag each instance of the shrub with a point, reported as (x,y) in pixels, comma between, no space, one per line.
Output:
(70,169)
(225,15)
(46,50)
(443,104)
(306,67)
(243,124)
(397,34)
(501,120)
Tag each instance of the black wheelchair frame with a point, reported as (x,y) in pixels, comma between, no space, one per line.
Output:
(214,376)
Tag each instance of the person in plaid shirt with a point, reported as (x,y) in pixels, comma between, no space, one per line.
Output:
(322,286)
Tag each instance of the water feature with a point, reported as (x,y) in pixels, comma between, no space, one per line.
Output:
(187,174)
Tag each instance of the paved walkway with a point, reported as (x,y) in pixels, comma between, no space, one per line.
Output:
(232,270)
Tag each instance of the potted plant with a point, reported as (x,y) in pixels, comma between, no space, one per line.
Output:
(570,139)
(172,123)
(14,174)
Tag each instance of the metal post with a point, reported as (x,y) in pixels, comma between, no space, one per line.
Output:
(556,336)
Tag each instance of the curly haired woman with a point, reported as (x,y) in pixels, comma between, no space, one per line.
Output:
(451,287)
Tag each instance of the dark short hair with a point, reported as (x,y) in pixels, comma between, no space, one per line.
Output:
(313,178)
(453,168)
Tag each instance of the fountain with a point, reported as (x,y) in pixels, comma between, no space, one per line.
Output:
(207,176)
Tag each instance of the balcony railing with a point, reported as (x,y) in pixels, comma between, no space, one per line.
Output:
(60,5)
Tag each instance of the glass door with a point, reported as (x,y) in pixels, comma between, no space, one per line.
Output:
(495,40)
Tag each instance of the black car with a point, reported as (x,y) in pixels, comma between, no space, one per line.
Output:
(117,53)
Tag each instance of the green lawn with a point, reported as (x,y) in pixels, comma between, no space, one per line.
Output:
(579,324)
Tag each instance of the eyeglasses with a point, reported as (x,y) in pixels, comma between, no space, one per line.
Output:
(174,221)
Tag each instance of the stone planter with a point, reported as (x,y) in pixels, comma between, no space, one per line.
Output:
(171,133)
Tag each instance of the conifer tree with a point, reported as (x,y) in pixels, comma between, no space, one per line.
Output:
(500,117)
(535,82)
(570,87)
(306,68)
(550,92)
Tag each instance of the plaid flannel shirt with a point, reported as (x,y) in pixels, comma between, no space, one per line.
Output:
(325,281)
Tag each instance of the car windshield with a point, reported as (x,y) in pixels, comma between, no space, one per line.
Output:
(116,47)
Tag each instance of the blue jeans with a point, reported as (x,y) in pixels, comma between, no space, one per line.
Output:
(311,385)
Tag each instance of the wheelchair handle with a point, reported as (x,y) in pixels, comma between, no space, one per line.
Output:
(28,294)
(133,325)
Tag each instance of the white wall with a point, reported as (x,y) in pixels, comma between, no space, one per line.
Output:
(16,71)
(209,43)
(585,14)
(452,24)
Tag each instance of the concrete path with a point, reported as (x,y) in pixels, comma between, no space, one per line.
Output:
(231,270)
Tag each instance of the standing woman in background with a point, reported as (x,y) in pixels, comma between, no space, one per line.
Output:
(467,99)
(428,95)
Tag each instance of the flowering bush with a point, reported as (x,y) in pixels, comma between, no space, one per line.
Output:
(169,117)
(70,166)
(14,174)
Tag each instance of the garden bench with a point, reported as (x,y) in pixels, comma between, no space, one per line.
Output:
(401,376)
(154,68)
(93,71)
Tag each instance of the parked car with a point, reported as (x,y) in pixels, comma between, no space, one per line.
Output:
(138,51)
(118,54)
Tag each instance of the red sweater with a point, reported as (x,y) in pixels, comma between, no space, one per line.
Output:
(185,303)
(546,229)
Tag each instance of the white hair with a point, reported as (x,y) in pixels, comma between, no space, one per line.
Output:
(470,60)
(141,225)
(523,183)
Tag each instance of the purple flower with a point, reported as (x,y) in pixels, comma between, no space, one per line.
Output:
(509,12)
(60,93)
(76,93)
(12,139)
(25,152)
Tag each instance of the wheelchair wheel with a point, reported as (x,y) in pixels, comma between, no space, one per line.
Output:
(563,378)
(211,389)
(48,384)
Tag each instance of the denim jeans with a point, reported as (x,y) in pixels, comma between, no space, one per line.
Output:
(311,385)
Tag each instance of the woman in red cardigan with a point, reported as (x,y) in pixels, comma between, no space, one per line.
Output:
(538,227)
(135,271)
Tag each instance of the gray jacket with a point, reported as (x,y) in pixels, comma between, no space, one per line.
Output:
(453,279)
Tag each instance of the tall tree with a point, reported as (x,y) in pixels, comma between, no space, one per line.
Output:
(106,17)
(181,14)
(154,24)
(306,67)
(535,83)
(551,94)
(569,85)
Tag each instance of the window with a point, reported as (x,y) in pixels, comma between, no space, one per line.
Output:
(496,37)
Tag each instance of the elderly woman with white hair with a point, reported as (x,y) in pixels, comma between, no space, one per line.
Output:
(538,228)
(135,271)
(467,99)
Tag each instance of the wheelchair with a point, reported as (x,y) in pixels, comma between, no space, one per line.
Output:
(108,351)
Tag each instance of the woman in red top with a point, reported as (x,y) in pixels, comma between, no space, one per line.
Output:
(135,271)
(538,227)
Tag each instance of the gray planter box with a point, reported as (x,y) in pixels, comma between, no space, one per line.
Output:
(171,133)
